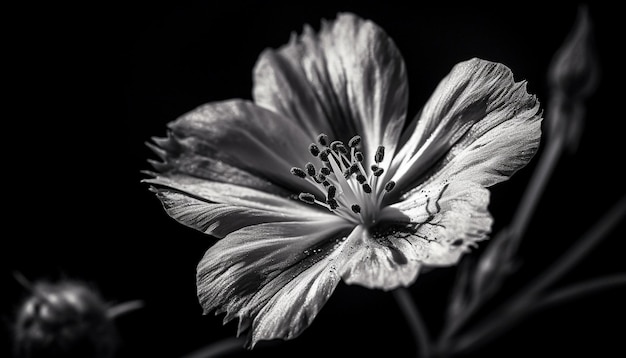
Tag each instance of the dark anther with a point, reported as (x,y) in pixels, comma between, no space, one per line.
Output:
(390,185)
(380,154)
(325,170)
(378,172)
(322,139)
(358,156)
(333,203)
(310,169)
(366,188)
(354,141)
(332,190)
(361,178)
(356,208)
(307,198)
(335,144)
(298,172)
(314,149)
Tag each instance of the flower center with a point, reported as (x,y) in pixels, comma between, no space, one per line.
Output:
(350,190)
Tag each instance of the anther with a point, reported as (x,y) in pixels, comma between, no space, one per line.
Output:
(321,177)
(354,141)
(324,155)
(307,198)
(332,203)
(378,172)
(326,183)
(380,154)
(358,156)
(374,167)
(356,208)
(298,172)
(310,169)
(314,149)
(335,144)
(322,139)
(325,170)
(361,178)
(342,149)
(390,185)
(332,190)
(366,188)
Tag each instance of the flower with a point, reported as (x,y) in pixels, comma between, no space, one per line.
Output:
(320,179)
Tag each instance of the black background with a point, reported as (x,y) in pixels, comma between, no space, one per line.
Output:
(88,85)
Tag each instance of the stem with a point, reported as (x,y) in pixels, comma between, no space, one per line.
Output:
(225,346)
(123,308)
(519,306)
(513,315)
(415,321)
(534,190)
(582,247)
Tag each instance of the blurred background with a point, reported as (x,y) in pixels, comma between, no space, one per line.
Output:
(88,85)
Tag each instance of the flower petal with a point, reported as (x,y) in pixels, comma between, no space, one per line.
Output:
(441,221)
(382,262)
(258,147)
(274,277)
(348,79)
(479,121)
(218,209)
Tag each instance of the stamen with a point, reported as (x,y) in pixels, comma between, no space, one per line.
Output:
(358,156)
(356,208)
(378,172)
(322,139)
(298,172)
(361,178)
(354,141)
(332,203)
(314,149)
(307,198)
(374,167)
(342,149)
(325,170)
(326,183)
(380,154)
(310,169)
(335,144)
(332,190)
(324,155)
(366,188)
(390,185)
(321,177)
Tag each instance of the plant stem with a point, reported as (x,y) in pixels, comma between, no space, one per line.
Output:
(218,348)
(415,321)
(527,300)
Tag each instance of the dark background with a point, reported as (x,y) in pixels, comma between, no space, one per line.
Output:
(88,85)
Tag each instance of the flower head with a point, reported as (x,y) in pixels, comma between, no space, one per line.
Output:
(322,179)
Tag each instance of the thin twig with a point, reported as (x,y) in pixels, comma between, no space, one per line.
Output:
(415,321)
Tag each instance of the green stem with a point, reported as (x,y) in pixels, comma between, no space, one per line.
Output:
(415,321)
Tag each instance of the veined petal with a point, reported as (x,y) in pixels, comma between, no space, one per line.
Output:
(382,261)
(218,209)
(274,277)
(441,220)
(256,145)
(478,120)
(347,79)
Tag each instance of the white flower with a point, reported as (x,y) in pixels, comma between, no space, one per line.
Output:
(416,194)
